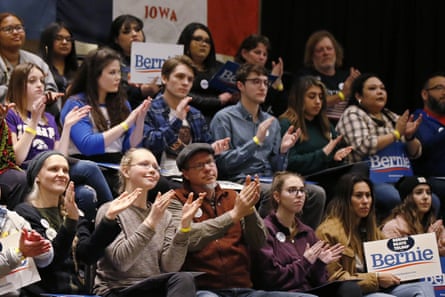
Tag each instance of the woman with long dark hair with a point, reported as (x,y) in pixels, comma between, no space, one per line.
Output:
(57,49)
(200,47)
(415,215)
(351,221)
(124,30)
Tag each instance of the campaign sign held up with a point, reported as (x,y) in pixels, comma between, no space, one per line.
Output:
(409,257)
(147,60)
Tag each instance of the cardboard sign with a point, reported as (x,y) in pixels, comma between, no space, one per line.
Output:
(410,257)
(147,60)
(25,274)
(390,164)
(224,80)
(438,280)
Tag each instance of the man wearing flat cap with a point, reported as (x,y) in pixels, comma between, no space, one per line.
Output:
(223,229)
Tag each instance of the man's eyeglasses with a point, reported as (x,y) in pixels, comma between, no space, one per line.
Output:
(437,88)
(62,38)
(259,81)
(296,191)
(201,39)
(201,165)
(11,29)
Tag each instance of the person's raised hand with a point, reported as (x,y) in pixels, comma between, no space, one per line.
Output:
(158,208)
(289,139)
(190,208)
(70,205)
(183,108)
(121,203)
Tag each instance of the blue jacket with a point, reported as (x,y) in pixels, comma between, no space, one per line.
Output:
(431,134)
(160,132)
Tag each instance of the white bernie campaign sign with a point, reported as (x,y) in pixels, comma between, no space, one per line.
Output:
(409,257)
(147,60)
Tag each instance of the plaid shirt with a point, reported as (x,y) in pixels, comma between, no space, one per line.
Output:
(361,131)
(160,132)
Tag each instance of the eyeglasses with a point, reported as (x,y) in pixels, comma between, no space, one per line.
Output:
(148,166)
(201,165)
(201,39)
(440,88)
(296,191)
(11,29)
(62,38)
(259,81)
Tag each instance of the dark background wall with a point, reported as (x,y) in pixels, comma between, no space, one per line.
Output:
(400,40)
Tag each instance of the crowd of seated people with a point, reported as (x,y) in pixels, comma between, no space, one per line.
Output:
(262,137)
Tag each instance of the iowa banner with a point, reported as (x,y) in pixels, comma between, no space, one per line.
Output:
(230,21)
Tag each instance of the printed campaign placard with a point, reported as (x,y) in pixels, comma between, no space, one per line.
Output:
(410,257)
(389,164)
(147,60)
(438,280)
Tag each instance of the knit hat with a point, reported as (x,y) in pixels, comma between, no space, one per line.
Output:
(36,164)
(189,151)
(406,184)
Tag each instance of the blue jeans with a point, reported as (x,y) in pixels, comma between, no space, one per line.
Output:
(92,189)
(13,187)
(241,292)
(416,289)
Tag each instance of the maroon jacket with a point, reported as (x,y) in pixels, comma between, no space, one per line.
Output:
(225,259)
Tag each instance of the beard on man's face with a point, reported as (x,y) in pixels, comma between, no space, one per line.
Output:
(436,105)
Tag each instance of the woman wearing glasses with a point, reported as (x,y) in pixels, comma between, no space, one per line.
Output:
(150,247)
(12,38)
(57,50)
(293,259)
(199,46)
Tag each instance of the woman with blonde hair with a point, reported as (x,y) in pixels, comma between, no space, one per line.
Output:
(150,249)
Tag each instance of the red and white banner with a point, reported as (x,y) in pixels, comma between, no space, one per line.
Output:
(230,21)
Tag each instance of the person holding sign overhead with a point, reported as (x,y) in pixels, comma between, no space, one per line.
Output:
(351,221)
